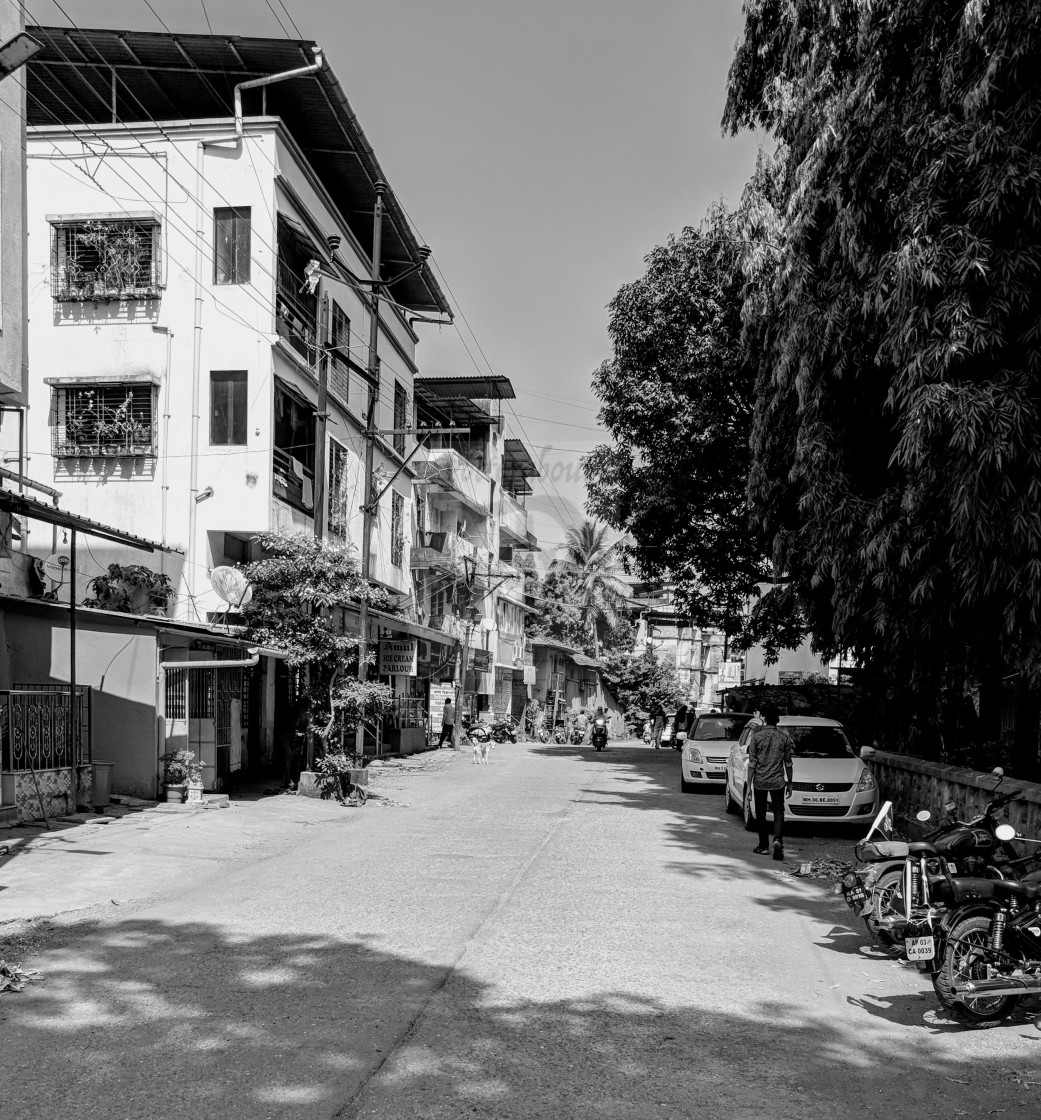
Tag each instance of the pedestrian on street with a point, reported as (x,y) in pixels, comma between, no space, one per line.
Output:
(657,729)
(447,723)
(770,772)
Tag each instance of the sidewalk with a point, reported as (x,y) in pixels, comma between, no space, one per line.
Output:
(131,858)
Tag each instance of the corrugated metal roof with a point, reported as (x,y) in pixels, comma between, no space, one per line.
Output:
(492,388)
(24,506)
(163,77)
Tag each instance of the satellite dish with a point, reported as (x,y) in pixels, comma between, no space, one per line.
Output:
(231,585)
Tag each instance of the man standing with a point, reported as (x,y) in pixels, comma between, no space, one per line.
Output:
(770,772)
(447,724)
(658,728)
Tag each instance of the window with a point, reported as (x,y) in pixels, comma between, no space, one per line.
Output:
(228,407)
(336,516)
(400,416)
(340,341)
(110,421)
(105,259)
(397,529)
(231,236)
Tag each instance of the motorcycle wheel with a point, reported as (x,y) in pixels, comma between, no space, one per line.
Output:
(886,900)
(751,824)
(729,803)
(965,958)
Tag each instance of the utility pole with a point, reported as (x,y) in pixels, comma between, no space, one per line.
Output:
(370,445)
(322,338)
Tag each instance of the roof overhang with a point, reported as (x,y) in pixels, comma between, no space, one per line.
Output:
(24,506)
(492,388)
(85,77)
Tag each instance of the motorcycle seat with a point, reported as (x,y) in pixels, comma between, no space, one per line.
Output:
(1015,888)
(921,848)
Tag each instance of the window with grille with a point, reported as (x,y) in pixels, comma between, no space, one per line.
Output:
(105,259)
(106,420)
(400,416)
(397,529)
(228,407)
(231,244)
(336,516)
(340,341)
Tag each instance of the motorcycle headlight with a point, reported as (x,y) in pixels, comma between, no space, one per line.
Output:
(867,781)
(694,755)
(850,880)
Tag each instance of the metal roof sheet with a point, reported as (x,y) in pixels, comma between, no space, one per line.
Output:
(165,77)
(492,388)
(24,506)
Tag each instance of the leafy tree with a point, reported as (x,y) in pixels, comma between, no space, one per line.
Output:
(644,683)
(557,596)
(677,397)
(897,432)
(300,590)
(592,563)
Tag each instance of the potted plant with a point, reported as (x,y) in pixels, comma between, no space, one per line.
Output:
(194,779)
(175,774)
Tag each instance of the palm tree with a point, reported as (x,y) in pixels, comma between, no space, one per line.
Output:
(594,563)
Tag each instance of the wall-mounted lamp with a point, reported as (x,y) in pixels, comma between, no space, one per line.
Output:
(204,494)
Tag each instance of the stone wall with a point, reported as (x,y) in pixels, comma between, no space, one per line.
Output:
(913,784)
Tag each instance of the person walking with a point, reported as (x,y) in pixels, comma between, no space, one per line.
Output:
(770,772)
(657,729)
(447,724)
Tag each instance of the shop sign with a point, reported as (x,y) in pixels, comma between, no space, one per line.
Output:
(481,660)
(529,674)
(439,693)
(398,658)
(790,678)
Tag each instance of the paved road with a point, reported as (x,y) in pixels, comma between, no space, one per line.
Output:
(559,934)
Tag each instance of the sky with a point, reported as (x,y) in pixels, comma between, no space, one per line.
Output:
(541,149)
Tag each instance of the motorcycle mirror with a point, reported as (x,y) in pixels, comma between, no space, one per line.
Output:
(1005,832)
(923,815)
(867,752)
(998,772)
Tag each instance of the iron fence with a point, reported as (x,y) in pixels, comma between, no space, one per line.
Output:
(35,732)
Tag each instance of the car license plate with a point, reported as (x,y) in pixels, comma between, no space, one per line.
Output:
(820,800)
(856,895)
(920,948)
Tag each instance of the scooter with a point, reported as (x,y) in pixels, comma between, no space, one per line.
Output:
(599,734)
(503,731)
(560,734)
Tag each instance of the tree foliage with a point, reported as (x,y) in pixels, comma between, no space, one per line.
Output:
(677,397)
(897,434)
(301,589)
(644,683)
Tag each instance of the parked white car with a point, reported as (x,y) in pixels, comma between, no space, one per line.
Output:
(829,780)
(703,758)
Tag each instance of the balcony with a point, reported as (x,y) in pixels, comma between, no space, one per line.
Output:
(441,550)
(295,313)
(292,482)
(513,520)
(452,474)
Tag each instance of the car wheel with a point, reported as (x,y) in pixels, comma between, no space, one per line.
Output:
(729,803)
(751,824)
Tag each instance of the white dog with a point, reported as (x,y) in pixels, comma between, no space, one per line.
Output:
(481,752)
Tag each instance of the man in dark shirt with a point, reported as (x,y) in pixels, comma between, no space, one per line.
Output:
(770,772)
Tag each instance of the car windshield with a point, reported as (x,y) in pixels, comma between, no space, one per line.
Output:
(719,728)
(819,742)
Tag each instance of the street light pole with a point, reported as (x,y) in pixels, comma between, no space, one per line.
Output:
(370,446)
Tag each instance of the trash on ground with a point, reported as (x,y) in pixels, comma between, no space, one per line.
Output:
(13,977)
(824,867)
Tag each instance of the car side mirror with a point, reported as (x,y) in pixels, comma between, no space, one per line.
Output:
(1005,833)
(923,815)
(867,753)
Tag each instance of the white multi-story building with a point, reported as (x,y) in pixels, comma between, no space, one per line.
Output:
(471,516)
(188,267)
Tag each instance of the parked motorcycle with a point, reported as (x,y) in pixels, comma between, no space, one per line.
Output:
(891,890)
(988,944)
(503,731)
(577,735)
(476,732)
(599,734)
(560,734)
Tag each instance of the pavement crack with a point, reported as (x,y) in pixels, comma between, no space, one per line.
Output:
(351,1109)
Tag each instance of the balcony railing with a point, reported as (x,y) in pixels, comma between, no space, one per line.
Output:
(295,313)
(292,481)
(439,550)
(513,518)
(453,474)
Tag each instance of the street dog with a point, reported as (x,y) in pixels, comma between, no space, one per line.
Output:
(481,753)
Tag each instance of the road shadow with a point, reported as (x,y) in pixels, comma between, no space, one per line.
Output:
(158,1019)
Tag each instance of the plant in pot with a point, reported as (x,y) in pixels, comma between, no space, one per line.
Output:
(131,589)
(177,768)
